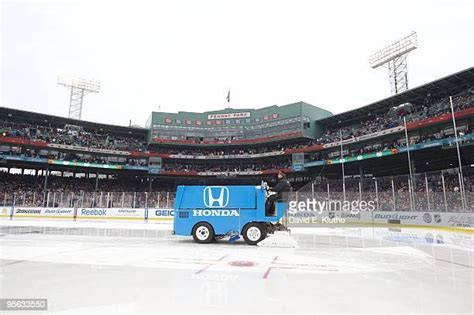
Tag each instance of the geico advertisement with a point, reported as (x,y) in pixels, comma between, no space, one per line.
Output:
(164,214)
(111,212)
(66,212)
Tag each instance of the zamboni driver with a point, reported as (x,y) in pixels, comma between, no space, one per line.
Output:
(281,189)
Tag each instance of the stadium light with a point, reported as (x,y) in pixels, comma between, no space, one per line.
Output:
(79,87)
(394,57)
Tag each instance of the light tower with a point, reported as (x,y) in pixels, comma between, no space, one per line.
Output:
(79,87)
(394,57)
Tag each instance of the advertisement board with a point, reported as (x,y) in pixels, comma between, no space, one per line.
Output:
(445,219)
(454,220)
(160,214)
(29,212)
(111,213)
(297,162)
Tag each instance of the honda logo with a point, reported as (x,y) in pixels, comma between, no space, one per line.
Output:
(216,197)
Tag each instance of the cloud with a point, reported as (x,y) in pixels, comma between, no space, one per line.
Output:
(184,55)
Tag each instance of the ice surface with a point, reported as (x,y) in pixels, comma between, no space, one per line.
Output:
(133,267)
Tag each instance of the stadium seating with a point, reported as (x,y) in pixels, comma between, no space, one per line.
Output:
(26,142)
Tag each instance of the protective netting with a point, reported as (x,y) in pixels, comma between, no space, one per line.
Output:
(434,191)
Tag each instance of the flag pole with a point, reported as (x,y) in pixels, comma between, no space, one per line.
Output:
(228,98)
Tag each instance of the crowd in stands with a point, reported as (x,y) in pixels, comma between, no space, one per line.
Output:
(28,190)
(394,118)
(397,197)
(223,151)
(248,167)
(75,135)
(392,193)
(74,157)
(378,146)
(70,135)
(18,182)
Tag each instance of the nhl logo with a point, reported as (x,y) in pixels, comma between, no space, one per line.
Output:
(437,218)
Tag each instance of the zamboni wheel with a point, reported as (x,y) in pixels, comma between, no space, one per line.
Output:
(253,233)
(203,233)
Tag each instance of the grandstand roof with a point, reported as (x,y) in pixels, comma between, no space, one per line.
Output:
(60,122)
(451,84)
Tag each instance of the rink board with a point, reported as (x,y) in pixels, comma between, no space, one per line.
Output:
(329,217)
(453,220)
(165,215)
(111,214)
(440,219)
(38,212)
(95,214)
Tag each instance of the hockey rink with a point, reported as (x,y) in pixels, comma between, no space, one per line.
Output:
(98,267)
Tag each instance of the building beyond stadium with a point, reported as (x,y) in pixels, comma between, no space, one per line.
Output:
(242,126)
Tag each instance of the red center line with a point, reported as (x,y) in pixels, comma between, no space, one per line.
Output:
(267,272)
(203,269)
(209,265)
(290,266)
(265,275)
(222,257)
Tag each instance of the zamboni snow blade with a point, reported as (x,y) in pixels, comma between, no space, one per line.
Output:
(214,212)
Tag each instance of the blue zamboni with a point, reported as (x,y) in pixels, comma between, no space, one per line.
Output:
(209,213)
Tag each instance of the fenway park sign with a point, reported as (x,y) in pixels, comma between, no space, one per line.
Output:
(229,115)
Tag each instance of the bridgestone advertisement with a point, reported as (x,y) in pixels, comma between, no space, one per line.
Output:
(43,212)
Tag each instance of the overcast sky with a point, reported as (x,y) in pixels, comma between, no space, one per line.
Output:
(185,55)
